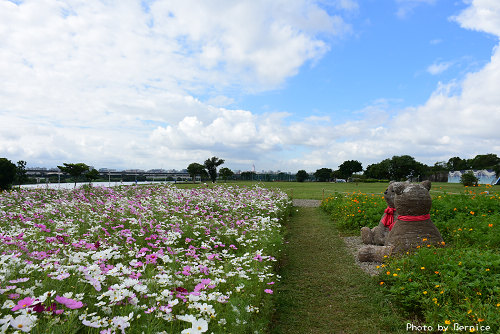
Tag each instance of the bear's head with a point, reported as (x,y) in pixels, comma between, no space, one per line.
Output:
(412,199)
(389,195)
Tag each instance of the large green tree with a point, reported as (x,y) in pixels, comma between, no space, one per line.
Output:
(7,173)
(75,170)
(323,174)
(301,176)
(195,169)
(379,171)
(404,167)
(457,163)
(347,168)
(92,175)
(226,173)
(484,161)
(21,172)
(211,166)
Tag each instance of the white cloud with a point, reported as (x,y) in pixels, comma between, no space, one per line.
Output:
(92,80)
(438,68)
(406,7)
(116,86)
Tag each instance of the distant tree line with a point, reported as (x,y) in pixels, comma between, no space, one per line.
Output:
(402,167)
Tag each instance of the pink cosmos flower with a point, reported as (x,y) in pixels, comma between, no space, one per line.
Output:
(186,270)
(68,302)
(19,280)
(269,291)
(23,303)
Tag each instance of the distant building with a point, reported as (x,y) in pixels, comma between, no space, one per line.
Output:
(484,176)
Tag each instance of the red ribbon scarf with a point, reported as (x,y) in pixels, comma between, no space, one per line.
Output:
(414,218)
(388,219)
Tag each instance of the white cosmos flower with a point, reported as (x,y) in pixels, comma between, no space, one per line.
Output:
(197,326)
(23,322)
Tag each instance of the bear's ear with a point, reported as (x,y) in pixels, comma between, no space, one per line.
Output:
(427,184)
(398,187)
(392,182)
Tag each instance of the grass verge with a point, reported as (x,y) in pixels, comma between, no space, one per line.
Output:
(321,290)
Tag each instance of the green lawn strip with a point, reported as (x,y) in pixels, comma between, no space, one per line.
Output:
(321,190)
(321,289)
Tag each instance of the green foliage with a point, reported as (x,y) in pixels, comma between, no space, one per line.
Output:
(347,168)
(301,175)
(355,210)
(92,175)
(379,170)
(211,166)
(21,177)
(75,170)
(196,169)
(447,285)
(7,173)
(323,174)
(459,283)
(226,173)
(484,161)
(403,167)
(468,179)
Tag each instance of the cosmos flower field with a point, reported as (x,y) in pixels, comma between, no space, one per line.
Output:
(139,259)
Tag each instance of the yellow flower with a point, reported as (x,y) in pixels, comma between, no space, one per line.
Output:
(424,239)
(394,275)
(447,322)
(480,319)
(388,273)
(425,292)
(469,311)
(487,269)
(422,268)
(437,286)
(381,283)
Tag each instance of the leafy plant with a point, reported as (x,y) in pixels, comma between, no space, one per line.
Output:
(469,179)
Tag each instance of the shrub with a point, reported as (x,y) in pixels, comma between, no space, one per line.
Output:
(468,179)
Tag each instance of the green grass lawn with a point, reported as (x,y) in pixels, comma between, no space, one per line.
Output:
(321,289)
(321,190)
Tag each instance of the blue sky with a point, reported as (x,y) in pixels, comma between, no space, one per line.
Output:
(287,85)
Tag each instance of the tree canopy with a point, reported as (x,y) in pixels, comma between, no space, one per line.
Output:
(301,175)
(211,166)
(196,169)
(225,173)
(7,173)
(75,170)
(347,168)
(323,174)
(21,172)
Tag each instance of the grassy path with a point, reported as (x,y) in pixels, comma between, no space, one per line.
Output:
(322,290)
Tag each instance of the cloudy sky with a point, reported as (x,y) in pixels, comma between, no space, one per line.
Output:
(281,84)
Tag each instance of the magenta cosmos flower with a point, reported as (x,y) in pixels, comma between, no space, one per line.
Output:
(23,303)
(69,303)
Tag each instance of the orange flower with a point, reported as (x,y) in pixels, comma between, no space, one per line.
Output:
(490,225)
(472,212)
